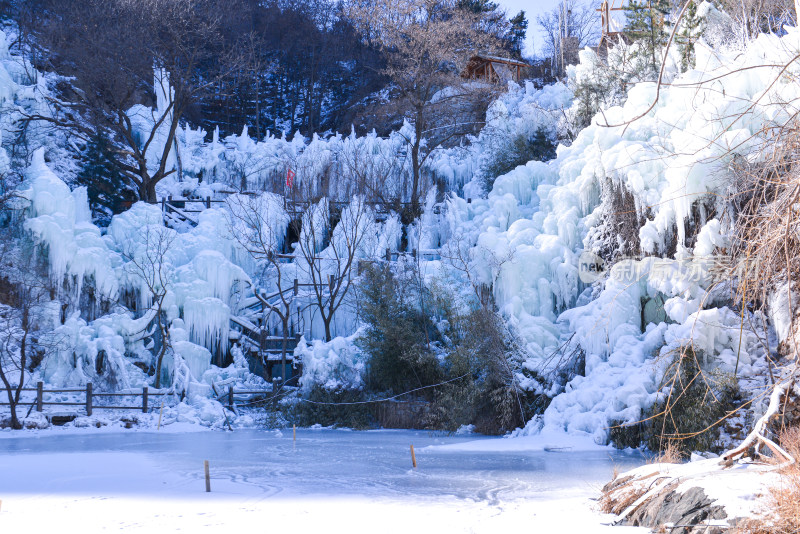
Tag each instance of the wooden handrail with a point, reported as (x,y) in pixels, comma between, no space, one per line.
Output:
(40,402)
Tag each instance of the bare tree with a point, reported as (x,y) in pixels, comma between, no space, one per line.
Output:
(114,50)
(254,224)
(19,342)
(333,269)
(460,255)
(371,174)
(753,17)
(24,294)
(568,28)
(147,262)
(14,333)
(427,45)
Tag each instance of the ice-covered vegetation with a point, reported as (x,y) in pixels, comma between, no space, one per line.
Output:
(492,285)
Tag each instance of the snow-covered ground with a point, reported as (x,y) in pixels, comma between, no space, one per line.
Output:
(328,480)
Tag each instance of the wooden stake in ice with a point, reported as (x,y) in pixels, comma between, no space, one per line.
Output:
(160,413)
(413,457)
(208,477)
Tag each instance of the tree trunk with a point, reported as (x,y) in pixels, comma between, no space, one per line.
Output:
(161,352)
(178,161)
(327,322)
(415,176)
(258,106)
(14,396)
(12,405)
(15,424)
(147,191)
(23,361)
(285,325)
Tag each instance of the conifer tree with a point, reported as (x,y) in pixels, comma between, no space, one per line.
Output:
(689,29)
(108,189)
(646,24)
(477,6)
(516,33)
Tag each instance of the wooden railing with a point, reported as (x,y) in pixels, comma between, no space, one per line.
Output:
(171,207)
(180,207)
(233,398)
(89,398)
(229,397)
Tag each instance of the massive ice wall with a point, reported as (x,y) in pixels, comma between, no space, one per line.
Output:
(669,149)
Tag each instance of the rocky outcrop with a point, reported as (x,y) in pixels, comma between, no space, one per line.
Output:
(702,496)
(686,512)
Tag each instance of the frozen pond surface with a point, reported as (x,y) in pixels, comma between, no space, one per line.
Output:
(335,480)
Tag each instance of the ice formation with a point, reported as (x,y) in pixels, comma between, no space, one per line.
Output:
(540,217)
(523,239)
(335,365)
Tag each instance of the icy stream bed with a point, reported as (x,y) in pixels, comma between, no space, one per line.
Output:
(328,480)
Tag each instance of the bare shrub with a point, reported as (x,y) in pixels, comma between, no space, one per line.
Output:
(619,494)
(687,419)
(768,243)
(782,514)
(672,453)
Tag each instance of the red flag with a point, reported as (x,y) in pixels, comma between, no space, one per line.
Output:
(289,178)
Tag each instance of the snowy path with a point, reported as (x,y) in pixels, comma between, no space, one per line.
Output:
(332,481)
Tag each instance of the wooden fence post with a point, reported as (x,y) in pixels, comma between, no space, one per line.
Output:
(39,396)
(230,398)
(144,399)
(331,282)
(208,202)
(208,476)
(296,287)
(275,383)
(388,254)
(89,398)
(414,254)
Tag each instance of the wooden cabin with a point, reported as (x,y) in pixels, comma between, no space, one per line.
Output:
(494,69)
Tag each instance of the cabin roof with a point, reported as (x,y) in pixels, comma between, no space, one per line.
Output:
(497,59)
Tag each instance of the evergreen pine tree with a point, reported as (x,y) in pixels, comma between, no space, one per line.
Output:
(646,24)
(516,33)
(477,6)
(687,36)
(542,147)
(108,191)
